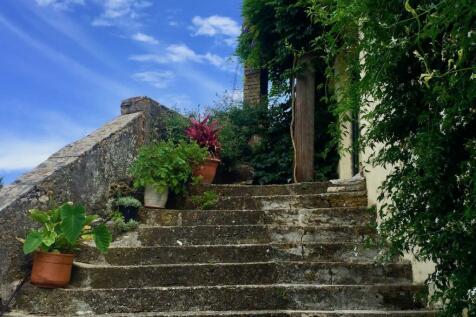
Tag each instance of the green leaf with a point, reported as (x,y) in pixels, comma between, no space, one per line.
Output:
(102,238)
(72,221)
(48,237)
(38,216)
(409,8)
(32,242)
(90,219)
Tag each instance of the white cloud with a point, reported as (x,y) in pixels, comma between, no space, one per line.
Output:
(156,79)
(141,37)
(216,25)
(20,154)
(59,4)
(120,11)
(180,53)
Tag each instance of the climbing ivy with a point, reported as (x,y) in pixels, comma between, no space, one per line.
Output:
(411,74)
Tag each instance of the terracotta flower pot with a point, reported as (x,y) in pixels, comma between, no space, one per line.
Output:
(207,170)
(51,270)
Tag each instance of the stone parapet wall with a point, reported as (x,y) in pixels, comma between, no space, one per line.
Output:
(81,172)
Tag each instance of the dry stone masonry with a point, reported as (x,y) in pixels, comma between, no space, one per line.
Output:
(82,172)
(280,250)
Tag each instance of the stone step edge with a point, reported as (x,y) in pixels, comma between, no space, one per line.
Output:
(248,286)
(337,208)
(365,313)
(83,265)
(271,226)
(330,194)
(243,245)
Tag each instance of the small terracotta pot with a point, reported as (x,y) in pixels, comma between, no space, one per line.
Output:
(207,170)
(51,270)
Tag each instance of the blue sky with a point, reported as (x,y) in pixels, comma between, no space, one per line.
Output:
(67,64)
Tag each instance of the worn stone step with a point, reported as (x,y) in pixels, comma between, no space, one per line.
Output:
(323,200)
(265,313)
(328,273)
(288,189)
(295,217)
(250,234)
(233,253)
(219,298)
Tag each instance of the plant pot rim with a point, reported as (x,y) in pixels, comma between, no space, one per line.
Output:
(213,159)
(57,254)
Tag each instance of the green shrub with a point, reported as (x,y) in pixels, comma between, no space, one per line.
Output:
(121,225)
(167,165)
(207,200)
(128,201)
(272,156)
(175,125)
(63,229)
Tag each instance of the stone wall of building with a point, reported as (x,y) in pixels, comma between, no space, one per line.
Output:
(81,172)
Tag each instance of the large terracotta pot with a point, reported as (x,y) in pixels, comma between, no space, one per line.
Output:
(51,270)
(155,199)
(207,170)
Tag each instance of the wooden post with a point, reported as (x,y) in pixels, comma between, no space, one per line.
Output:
(304,122)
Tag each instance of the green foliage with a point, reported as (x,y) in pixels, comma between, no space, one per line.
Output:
(128,201)
(417,59)
(175,125)
(272,156)
(420,64)
(63,229)
(207,200)
(276,34)
(167,165)
(121,225)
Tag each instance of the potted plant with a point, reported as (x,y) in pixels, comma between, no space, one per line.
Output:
(129,207)
(205,133)
(165,166)
(62,230)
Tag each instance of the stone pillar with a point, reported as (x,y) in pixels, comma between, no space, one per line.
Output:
(255,90)
(304,121)
(153,114)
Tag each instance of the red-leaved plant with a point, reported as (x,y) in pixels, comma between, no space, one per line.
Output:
(205,133)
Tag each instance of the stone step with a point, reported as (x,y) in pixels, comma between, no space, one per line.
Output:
(263,273)
(324,200)
(250,234)
(265,313)
(295,217)
(219,298)
(270,190)
(233,253)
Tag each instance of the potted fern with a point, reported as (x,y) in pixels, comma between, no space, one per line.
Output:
(165,166)
(61,232)
(205,134)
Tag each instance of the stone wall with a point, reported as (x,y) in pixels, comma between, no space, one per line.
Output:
(81,172)
(255,89)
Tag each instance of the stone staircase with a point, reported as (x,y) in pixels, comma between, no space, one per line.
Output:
(280,250)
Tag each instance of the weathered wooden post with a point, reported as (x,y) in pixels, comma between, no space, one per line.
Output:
(304,121)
